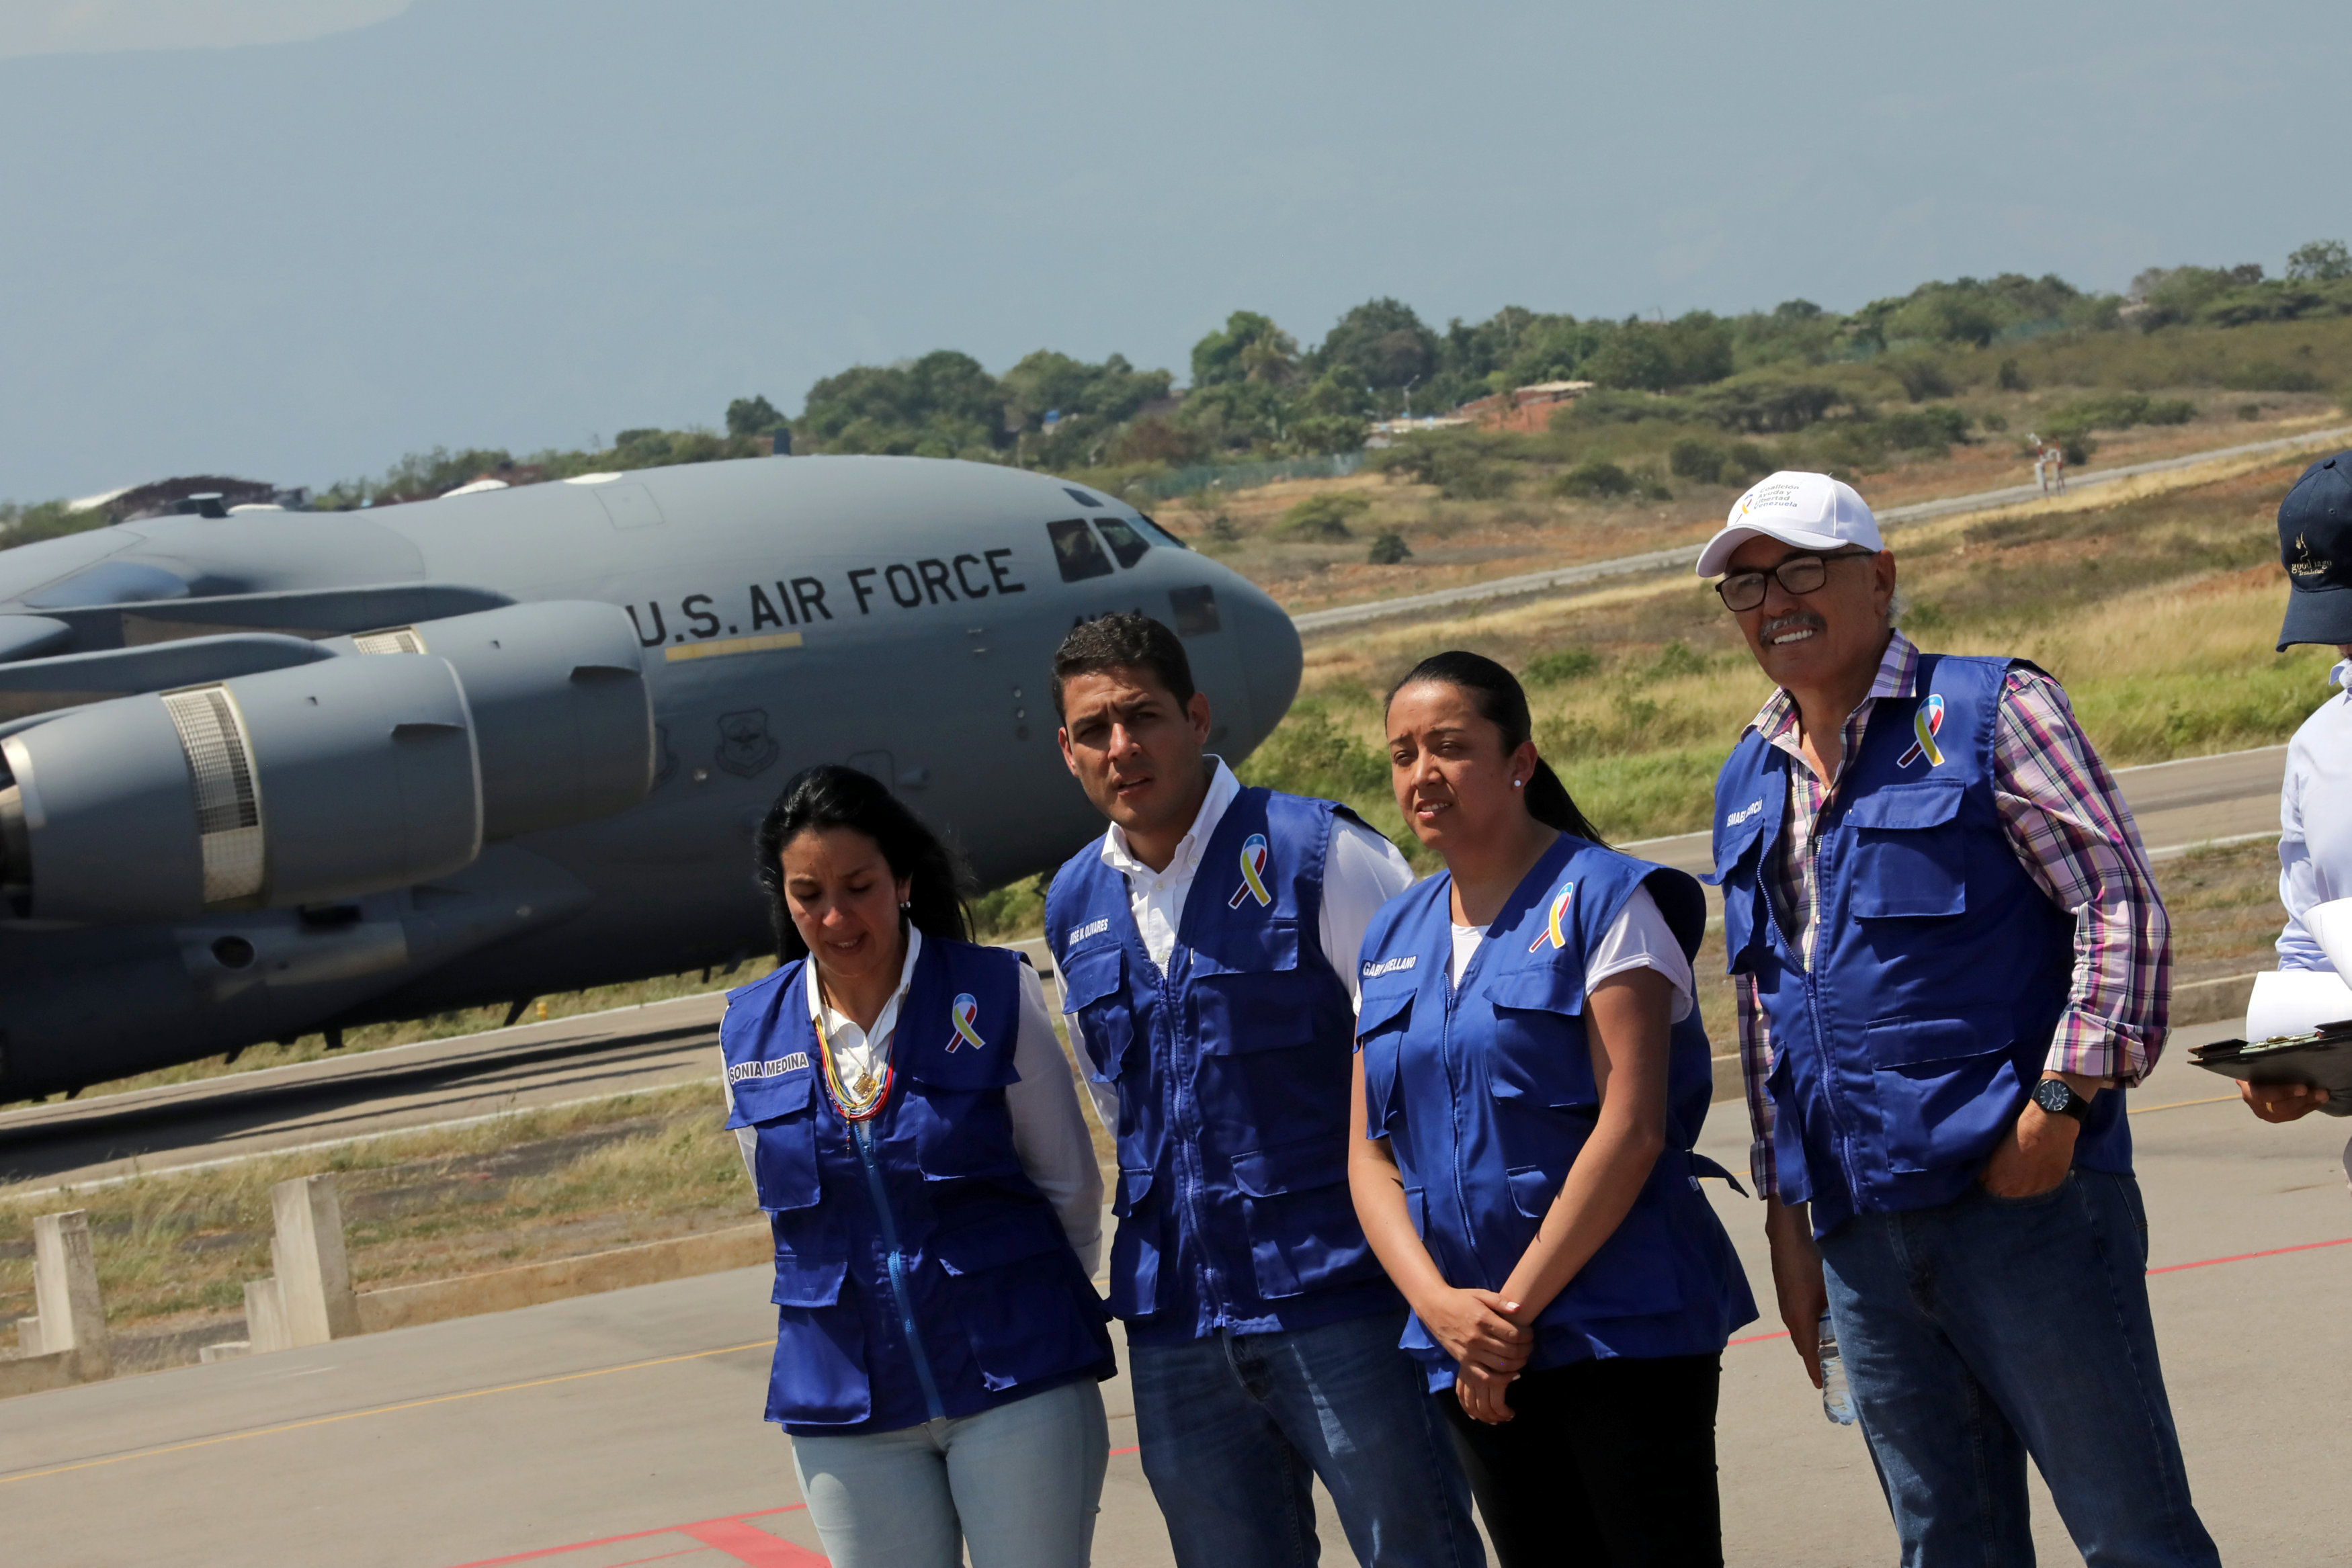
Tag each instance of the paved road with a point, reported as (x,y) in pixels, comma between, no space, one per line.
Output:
(1526,583)
(278,1109)
(629,1421)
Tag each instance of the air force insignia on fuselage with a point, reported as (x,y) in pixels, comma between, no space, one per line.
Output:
(964,1013)
(1373,971)
(1554,930)
(796,1062)
(1253,873)
(1924,723)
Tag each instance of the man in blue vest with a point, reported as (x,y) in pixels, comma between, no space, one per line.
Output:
(1950,962)
(1207,947)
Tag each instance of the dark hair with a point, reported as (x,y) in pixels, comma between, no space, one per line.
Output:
(1125,640)
(1502,702)
(832,796)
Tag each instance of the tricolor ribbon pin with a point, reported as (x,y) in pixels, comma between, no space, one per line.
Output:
(964,1013)
(1253,873)
(1924,723)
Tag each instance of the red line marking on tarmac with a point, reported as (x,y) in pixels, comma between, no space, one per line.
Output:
(2245,1257)
(733,1519)
(753,1546)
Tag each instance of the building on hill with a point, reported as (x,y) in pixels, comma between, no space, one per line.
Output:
(1528,409)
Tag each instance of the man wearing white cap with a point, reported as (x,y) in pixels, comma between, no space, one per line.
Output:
(1950,962)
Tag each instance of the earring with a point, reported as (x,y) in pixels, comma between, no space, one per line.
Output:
(904,907)
(1516,783)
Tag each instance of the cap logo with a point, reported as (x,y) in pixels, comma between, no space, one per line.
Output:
(964,1013)
(1253,873)
(1924,723)
(2305,566)
(1554,931)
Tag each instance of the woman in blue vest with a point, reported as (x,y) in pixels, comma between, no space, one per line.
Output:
(1530,1079)
(911,1124)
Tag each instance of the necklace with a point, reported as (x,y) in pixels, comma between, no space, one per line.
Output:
(862,1100)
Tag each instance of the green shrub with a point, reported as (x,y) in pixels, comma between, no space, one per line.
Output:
(2269,375)
(1464,464)
(1221,530)
(2250,410)
(1323,519)
(1922,377)
(2011,379)
(1310,754)
(1560,665)
(2171,411)
(1389,549)
(1595,479)
(2078,448)
(1766,407)
(1693,459)
(1993,422)
(1747,461)
(1677,659)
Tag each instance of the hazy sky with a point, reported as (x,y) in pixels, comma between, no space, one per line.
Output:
(293,239)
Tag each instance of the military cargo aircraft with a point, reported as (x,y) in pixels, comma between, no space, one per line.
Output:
(268,772)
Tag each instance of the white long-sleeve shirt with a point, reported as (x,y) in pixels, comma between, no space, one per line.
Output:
(1049,1130)
(2314,826)
(1361,871)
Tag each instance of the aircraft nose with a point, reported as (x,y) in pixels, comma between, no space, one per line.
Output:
(1272,655)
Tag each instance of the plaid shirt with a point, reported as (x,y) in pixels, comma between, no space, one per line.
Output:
(2068,826)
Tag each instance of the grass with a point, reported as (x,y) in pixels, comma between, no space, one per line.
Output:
(175,1248)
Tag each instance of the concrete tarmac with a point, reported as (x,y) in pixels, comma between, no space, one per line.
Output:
(623,1428)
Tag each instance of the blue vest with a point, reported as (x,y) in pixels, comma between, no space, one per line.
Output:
(919,1274)
(1940,968)
(1233,1071)
(1486,1093)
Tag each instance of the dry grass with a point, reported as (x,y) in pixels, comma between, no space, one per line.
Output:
(175,1248)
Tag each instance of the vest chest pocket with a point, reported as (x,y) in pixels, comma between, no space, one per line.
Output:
(1260,1001)
(783,1118)
(1738,856)
(1908,859)
(1537,1057)
(1381,1024)
(1018,1305)
(1094,991)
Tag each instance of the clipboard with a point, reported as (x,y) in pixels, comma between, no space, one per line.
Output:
(2321,1058)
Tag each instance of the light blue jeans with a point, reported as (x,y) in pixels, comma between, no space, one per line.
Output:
(1020,1484)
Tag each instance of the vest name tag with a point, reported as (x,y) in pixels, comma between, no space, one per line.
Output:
(1092,928)
(1373,971)
(1742,814)
(796,1062)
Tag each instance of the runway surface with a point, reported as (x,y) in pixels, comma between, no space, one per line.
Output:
(623,1428)
(440,1082)
(1684,556)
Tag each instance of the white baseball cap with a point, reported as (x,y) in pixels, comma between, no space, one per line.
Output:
(1811,511)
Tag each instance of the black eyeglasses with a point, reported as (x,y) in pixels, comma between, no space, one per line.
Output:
(1799,574)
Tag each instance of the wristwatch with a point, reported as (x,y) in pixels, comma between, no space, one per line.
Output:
(2057,1097)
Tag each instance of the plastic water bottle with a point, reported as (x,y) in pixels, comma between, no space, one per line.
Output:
(1837,1399)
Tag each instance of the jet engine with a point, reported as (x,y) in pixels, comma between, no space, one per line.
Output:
(330,780)
(298,785)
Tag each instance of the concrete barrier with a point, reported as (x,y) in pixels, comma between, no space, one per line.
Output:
(2211,1001)
(529,1284)
(71,1319)
(314,1275)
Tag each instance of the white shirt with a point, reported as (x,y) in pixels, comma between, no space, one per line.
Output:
(1638,939)
(1049,1130)
(2314,828)
(1361,871)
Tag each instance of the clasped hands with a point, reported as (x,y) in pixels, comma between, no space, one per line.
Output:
(1480,1331)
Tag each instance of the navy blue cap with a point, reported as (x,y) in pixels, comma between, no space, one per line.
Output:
(2315,547)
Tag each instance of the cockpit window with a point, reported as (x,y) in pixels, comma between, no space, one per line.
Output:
(1077,550)
(1157,534)
(1125,542)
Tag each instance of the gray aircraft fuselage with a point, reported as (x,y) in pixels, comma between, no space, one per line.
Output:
(896,614)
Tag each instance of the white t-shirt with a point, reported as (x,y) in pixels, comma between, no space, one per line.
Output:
(1639,939)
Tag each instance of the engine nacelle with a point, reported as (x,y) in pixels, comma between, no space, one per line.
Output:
(564,722)
(300,786)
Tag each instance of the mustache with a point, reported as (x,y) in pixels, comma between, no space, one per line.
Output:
(1795,618)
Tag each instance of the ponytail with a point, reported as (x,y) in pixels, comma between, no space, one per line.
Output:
(1502,702)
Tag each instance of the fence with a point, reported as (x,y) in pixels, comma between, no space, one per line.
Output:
(1240,475)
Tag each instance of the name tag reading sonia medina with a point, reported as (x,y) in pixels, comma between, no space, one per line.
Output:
(796,1062)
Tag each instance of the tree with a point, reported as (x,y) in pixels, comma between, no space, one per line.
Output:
(2320,261)
(1379,343)
(1250,348)
(753,417)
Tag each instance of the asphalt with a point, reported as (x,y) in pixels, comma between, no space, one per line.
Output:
(623,1428)
(1555,578)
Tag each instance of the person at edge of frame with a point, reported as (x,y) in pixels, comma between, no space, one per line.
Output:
(1207,950)
(1949,961)
(2315,531)
(913,1132)
(1531,1076)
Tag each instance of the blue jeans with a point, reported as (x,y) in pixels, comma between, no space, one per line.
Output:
(1020,1484)
(1234,1428)
(1990,1329)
